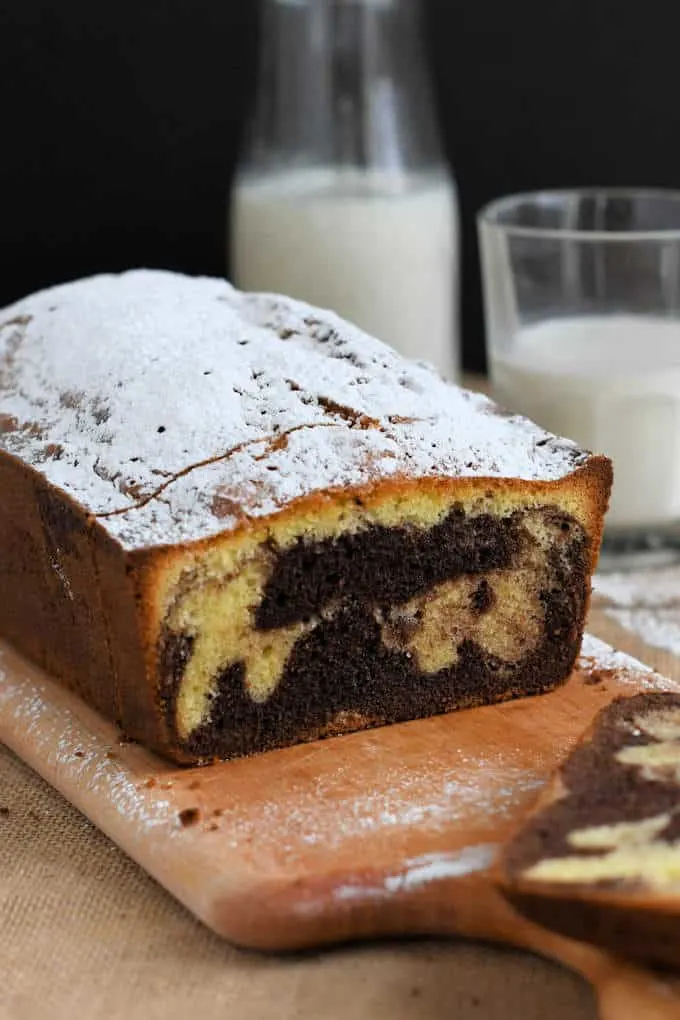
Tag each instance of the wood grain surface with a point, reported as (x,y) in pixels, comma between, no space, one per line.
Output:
(391,831)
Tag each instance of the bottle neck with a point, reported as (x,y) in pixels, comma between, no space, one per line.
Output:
(343,83)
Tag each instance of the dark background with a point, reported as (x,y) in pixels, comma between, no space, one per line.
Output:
(121,121)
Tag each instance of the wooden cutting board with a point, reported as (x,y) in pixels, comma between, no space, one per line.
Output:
(391,831)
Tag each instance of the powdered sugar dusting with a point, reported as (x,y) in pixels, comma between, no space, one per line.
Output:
(599,654)
(435,797)
(641,588)
(417,872)
(64,745)
(430,797)
(659,629)
(596,654)
(436,867)
(151,396)
(645,603)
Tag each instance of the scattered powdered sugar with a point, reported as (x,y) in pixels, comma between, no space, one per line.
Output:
(645,603)
(337,808)
(659,628)
(419,871)
(436,798)
(596,654)
(435,867)
(177,404)
(56,733)
(640,589)
(599,654)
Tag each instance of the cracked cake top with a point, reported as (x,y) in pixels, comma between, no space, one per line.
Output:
(171,407)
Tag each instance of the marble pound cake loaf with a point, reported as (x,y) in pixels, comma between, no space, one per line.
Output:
(234,522)
(599,860)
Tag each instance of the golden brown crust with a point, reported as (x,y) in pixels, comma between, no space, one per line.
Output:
(586,490)
(50,604)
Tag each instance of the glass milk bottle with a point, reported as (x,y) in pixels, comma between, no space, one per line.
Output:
(342,197)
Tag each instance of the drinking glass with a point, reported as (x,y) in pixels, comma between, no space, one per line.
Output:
(582,307)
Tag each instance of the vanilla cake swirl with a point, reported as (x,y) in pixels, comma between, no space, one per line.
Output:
(233,521)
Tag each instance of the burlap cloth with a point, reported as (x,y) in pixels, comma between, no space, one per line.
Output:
(85,933)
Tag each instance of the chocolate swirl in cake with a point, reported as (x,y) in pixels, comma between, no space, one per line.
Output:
(381,625)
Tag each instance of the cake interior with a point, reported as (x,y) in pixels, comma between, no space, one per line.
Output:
(363,615)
